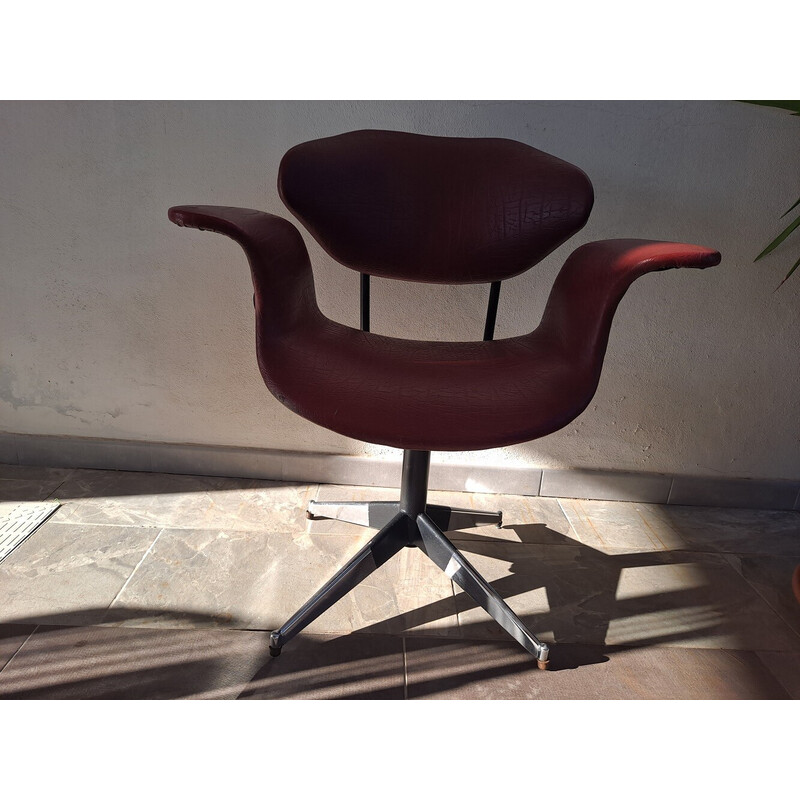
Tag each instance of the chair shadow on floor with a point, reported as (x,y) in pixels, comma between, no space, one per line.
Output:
(133,653)
(43,659)
(50,657)
(579,586)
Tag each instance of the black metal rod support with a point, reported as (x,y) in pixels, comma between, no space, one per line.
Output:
(491,312)
(364,302)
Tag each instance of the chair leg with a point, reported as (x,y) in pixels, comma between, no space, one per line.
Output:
(442,552)
(454,519)
(368,515)
(386,543)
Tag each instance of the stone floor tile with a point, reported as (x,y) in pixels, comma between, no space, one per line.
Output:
(350,667)
(185,501)
(771,577)
(22,472)
(12,637)
(69,574)
(580,595)
(125,663)
(248,579)
(29,489)
(736,530)
(468,670)
(533,520)
(786,669)
(613,527)
(258,505)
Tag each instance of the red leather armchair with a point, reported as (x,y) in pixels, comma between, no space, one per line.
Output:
(436,210)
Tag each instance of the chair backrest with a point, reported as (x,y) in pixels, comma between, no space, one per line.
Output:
(433,208)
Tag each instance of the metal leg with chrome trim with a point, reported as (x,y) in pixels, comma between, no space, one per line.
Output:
(409,523)
(454,519)
(367,514)
(444,554)
(386,543)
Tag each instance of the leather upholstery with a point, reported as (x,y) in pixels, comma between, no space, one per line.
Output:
(433,208)
(433,395)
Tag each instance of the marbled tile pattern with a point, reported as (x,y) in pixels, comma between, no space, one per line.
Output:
(568,594)
(736,530)
(168,569)
(124,663)
(128,663)
(20,472)
(613,527)
(771,577)
(351,667)
(13,490)
(252,580)
(12,637)
(440,670)
(637,527)
(786,669)
(69,574)
(182,501)
(20,484)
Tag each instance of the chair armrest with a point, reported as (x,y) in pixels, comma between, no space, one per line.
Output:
(261,235)
(276,252)
(631,258)
(594,279)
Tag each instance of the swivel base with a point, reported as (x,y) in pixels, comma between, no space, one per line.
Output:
(413,524)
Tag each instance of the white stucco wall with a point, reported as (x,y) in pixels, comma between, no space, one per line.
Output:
(116,324)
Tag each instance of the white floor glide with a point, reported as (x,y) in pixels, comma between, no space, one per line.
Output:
(19,520)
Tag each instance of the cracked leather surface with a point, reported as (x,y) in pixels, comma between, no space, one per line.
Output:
(436,395)
(432,208)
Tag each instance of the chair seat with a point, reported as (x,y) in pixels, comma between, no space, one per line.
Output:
(434,395)
(423,395)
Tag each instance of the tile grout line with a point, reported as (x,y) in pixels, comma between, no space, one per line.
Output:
(66,477)
(133,571)
(788,691)
(569,522)
(16,652)
(758,593)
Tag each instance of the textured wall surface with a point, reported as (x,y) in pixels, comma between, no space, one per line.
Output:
(116,324)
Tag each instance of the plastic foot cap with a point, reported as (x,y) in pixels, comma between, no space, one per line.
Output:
(274,651)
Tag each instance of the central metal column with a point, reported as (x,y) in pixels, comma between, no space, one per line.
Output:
(414,486)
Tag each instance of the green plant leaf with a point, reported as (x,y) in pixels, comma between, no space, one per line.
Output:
(787,105)
(778,239)
(797,203)
(796,265)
